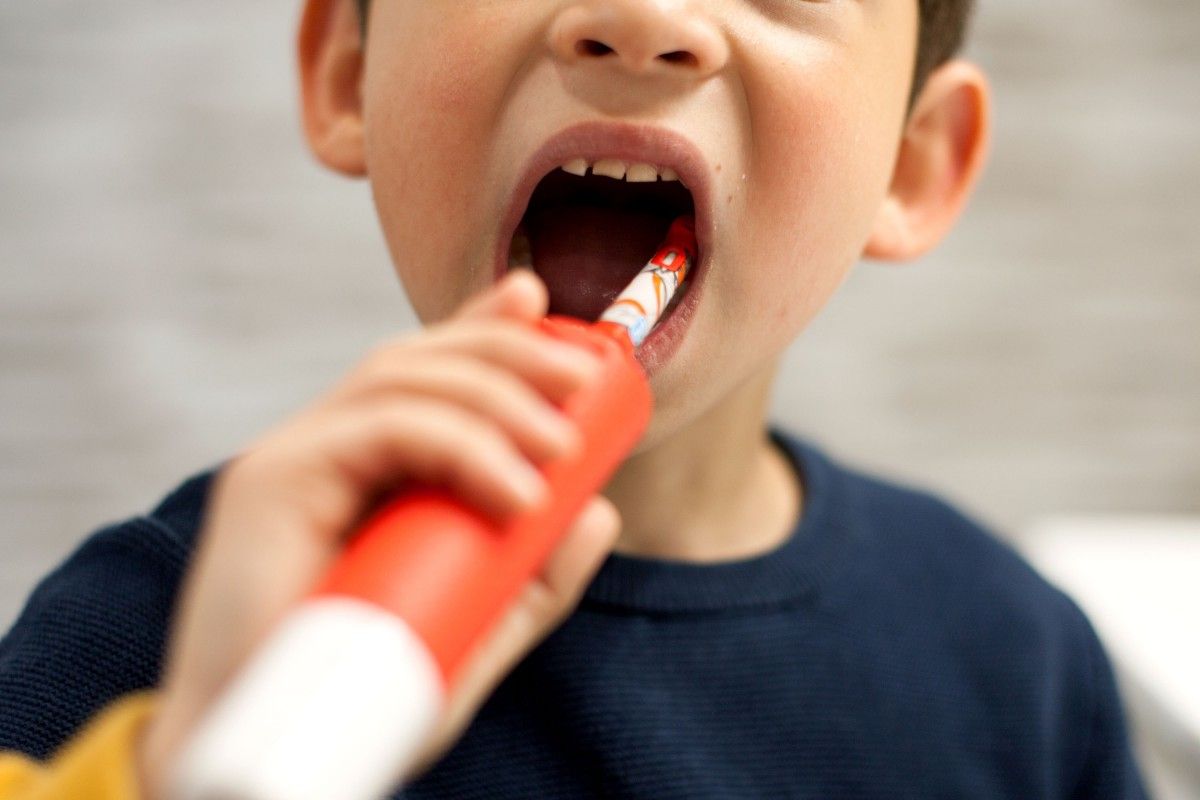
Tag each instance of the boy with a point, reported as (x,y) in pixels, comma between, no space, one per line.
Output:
(737,615)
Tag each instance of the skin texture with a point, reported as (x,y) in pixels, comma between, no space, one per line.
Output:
(800,109)
(806,100)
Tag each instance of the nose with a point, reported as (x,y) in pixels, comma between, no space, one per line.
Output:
(642,37)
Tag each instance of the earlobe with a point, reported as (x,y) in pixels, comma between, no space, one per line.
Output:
(330,58)
(889,233)
(941,155)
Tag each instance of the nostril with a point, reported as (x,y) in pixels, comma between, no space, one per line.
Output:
(591,47)
(680,57)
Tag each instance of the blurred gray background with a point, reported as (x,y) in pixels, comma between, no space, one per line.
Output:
(178,274)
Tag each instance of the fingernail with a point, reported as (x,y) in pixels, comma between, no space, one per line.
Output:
(528,483)
(560,430)
(582,362)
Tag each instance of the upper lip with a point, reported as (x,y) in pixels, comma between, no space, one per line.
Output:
(593,141)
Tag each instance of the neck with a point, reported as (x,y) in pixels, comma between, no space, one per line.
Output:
(715,490)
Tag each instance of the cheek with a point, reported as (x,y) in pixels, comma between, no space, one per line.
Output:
(822,155)
(428,108)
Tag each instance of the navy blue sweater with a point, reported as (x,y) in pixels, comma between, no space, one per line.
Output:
(890,648)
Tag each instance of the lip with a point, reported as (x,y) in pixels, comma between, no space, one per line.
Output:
(631,143)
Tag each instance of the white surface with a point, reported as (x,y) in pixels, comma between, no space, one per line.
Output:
(1138,580)
(336,705)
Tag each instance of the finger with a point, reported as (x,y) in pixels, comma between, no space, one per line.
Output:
(535,425)
(551,596)
(540,607)
(575,561)
(436,443)
(519,294)
(555,368)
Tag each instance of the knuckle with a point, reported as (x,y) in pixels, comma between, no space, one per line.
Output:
(450,434)
(383,358)
(471,373)
(505,334)
(498,387)
(430,421)
(534,356)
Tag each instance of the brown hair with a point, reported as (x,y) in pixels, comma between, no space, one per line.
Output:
(943,30)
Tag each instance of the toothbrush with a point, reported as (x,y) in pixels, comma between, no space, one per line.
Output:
(344,693)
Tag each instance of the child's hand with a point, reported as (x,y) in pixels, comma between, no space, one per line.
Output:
(463,404)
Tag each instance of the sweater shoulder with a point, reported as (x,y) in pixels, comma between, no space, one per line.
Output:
(933,598)
(95,627)
(180,513)
(930,555)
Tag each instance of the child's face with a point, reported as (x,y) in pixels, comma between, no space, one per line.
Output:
(796,107)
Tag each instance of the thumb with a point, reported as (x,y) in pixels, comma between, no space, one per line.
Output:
(520,294)
(574,562)
(542,605)
(547,599)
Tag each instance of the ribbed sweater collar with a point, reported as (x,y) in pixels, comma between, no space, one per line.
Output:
(792,571)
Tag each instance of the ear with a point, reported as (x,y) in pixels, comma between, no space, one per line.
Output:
(942,152)
(330,54)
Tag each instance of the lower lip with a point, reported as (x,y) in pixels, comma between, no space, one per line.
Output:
(667,336)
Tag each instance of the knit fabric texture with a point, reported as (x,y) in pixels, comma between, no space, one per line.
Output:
(889,648)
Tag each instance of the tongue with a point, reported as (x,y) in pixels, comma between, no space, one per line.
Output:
(587,254)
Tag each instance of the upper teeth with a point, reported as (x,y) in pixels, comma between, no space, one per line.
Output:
(614,168)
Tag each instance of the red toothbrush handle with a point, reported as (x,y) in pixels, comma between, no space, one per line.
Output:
(346,691)
(448,571)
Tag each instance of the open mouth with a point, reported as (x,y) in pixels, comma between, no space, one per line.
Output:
(588,235)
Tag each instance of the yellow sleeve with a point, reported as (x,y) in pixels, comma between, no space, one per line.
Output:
(98,764)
